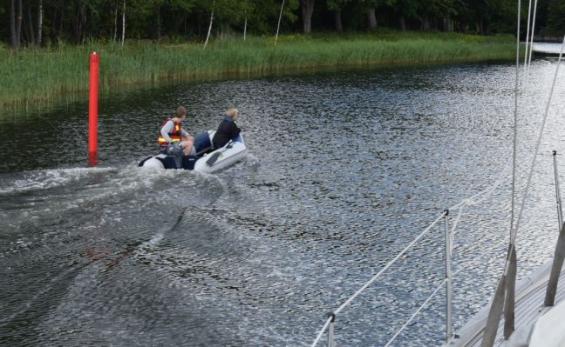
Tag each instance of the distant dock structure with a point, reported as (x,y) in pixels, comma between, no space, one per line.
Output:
(546,48)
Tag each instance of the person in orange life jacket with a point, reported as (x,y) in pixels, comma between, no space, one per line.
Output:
(228,130)
(173,138)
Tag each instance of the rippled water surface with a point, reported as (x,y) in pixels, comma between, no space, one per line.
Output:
(344,170)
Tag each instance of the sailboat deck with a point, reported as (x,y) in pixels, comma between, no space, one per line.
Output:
(530,296)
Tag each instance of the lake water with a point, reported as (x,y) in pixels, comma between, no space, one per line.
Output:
(344,170)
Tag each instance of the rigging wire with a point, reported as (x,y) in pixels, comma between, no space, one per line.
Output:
(482,195)
(527,34)
(515,132)
(538,143)
(487,191)
(470,201)
(533,32)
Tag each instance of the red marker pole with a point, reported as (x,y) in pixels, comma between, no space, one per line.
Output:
(93,110)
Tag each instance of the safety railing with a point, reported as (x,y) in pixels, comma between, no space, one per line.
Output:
(504,299)
(504,295)
(449,232)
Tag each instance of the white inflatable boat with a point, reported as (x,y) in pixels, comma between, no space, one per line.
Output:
(205,160)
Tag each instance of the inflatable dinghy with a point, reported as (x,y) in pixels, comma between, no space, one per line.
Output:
(206,159)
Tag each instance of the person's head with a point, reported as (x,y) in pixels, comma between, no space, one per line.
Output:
(180,113)
(233,113)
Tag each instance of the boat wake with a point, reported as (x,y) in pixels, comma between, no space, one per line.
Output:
(47,179)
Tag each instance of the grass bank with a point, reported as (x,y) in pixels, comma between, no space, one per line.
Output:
(35,77)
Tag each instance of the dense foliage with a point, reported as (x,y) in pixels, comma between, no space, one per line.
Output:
(35,78)
(54,21)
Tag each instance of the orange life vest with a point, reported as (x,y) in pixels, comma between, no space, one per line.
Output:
(175,135)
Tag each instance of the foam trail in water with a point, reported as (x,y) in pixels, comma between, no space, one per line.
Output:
(26,306)
(154,241)
(40,180)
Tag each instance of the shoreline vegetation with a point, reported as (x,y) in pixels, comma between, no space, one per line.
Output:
(34,78)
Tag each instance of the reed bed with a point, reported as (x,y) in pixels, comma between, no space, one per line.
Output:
(35,77)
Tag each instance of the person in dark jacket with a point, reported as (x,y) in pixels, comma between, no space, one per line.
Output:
(227,130)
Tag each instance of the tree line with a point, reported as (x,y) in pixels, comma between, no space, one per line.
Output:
(39,22)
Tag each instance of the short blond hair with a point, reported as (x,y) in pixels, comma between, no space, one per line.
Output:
(232,112)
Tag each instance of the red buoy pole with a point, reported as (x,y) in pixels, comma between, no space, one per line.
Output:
(93,109)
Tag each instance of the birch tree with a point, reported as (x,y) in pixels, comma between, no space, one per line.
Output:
(279,22)
(38,21)
(210,25)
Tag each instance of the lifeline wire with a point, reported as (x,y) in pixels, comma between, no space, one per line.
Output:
(485,193)
(471,201)
(416,313)
(458,205)
(389,264)
(322,331)
(515,137)
(538,143)
(375,277)
(424,304)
